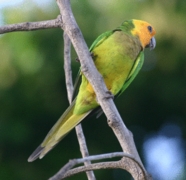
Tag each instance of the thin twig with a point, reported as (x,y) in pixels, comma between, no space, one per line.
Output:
(102,156)
(30,26)
(70,89)
(67,67)
(84,150)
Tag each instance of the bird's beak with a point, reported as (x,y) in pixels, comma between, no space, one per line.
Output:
(152,44)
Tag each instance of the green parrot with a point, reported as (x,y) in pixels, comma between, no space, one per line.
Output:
(118,55)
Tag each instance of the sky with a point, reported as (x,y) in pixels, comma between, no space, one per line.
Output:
(5,3)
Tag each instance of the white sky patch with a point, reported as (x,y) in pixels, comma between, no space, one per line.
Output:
(5,3)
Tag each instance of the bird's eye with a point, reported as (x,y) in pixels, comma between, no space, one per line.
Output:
(150,29)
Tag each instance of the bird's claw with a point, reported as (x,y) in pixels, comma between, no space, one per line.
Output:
(109,95)
(77,59)
(91,54)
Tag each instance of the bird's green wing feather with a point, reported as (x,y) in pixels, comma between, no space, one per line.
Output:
(134,71)
(100,39)
(76,85)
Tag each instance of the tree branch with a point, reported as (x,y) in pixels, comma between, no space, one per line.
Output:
(70,89)
(30,26)
(88,68)
(60,174)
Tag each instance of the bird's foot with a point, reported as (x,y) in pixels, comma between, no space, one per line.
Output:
(77,59)
(91,54)
(109,95)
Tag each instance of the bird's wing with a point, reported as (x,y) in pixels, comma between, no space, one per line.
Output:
(100,39)
(134,71)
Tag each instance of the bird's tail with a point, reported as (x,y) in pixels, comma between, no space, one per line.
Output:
(65,123)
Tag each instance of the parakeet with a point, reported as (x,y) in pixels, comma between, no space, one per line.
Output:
(118,55)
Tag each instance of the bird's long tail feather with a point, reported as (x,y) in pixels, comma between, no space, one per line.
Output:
(65,124)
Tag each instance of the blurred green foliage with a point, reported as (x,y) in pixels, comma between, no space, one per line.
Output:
(33,92)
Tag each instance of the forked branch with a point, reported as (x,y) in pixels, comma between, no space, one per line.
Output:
(124,136)
(124,163)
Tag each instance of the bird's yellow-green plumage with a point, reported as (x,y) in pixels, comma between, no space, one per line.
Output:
(118,55)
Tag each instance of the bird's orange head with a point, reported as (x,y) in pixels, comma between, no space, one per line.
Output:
(145,32)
